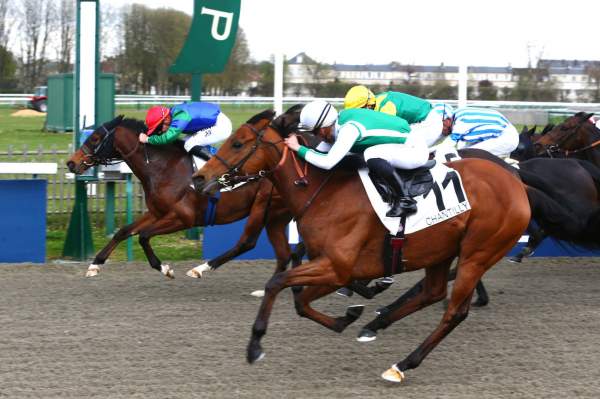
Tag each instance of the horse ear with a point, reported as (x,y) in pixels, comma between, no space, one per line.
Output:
(524,130)
(119,118)
(531,132)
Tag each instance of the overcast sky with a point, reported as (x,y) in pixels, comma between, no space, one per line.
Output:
(484,33)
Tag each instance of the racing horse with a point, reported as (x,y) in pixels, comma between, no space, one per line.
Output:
(165,174)
(576,137)
(344,237)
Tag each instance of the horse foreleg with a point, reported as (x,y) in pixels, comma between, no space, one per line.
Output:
(316,272)
(169,224)
(123,233)
(433,288)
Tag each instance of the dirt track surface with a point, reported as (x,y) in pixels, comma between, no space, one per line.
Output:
(131,333)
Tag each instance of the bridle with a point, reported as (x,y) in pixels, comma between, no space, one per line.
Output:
(552,150)
(94,154)
(232,177)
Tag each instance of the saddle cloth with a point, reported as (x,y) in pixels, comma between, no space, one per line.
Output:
(448,155)
(446,200)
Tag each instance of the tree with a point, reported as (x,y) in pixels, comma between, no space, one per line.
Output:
(66,19)
(151,42)
(8,67)
(36,24)
(487,91)
(5,22)
(230,81)
(533,84)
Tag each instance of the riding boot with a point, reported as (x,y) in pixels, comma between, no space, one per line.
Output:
(401,203)
(201,152)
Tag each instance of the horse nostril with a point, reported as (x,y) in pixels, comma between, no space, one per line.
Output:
(71,166)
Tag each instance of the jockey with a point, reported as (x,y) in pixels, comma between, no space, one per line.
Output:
(385,141)
(482,128)
(204,123)
(420,114)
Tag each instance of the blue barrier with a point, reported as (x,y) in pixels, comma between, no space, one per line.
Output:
(218,239)
(23,221)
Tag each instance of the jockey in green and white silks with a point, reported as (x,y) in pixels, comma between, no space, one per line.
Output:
(385,141)
(419,113)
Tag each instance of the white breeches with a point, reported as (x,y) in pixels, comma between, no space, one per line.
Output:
(429,128)
(500,146)
(211,135)
(410,155)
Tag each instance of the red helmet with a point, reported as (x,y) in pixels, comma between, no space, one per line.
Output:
(155,117)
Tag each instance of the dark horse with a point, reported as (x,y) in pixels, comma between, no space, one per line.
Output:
(165,173)
(344,238)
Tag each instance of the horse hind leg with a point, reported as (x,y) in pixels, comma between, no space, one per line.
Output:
(123,233)
(433,288)
(302,302)
(471,267)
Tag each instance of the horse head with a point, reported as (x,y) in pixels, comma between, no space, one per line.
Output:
(573,135)
(253,149)
(97,145)
(107,144)
(524,149)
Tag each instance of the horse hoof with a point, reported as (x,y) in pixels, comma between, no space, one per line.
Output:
(393,375)
(353,312)
(381,311)
(366,335)
(167,271)
(258,293)
(197,271)
(255,354)
(92,271)
(345,292)
(479,303)
(515,259)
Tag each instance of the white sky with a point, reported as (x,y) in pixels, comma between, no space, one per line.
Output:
(429,32)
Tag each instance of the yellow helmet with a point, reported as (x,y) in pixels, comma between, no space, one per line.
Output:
(359,97)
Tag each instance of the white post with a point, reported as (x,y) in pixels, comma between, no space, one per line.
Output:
(462,84)
(86,64)
(278,83)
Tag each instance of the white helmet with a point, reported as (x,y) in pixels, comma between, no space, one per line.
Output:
(317,114)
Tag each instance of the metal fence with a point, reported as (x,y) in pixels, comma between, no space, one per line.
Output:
(61,187)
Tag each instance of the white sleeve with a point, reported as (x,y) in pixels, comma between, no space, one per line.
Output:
(323,147)
(346,137)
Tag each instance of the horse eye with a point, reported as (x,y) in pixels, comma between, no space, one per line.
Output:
(237,145)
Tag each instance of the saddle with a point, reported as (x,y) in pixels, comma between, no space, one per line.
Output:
(417,181)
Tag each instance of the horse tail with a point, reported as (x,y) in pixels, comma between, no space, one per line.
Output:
(557,221)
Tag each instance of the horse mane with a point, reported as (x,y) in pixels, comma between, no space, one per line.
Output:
(287,122)
(133,124)
(266,114)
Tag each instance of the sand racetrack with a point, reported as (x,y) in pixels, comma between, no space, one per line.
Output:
(132,333)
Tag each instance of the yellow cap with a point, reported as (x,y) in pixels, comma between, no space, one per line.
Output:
(359,97)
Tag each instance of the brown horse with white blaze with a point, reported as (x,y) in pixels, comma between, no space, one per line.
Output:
(344,237)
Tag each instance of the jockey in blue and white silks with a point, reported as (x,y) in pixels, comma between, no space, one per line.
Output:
(485,129)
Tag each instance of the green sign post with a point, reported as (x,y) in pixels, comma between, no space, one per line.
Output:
(207,47)
(209,41)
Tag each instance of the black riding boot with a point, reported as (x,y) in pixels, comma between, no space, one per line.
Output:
(200,152)
(401,203)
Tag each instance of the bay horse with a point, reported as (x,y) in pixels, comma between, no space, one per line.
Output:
(576,137)
(165,174)
(344,237)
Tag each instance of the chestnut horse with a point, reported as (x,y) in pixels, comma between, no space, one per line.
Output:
(165,173)
(344,237)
